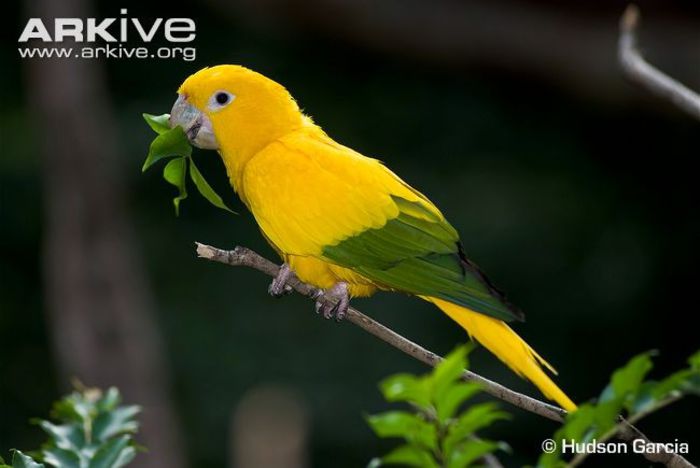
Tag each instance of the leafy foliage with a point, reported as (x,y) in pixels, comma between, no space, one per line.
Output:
(435,432)
(173,143)
(20,460)
(627,394)
(93,431)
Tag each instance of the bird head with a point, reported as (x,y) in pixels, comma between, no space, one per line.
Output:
(234,110)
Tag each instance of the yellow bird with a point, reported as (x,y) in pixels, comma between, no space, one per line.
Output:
(341,221)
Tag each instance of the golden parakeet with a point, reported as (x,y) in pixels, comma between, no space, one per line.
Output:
(341,221)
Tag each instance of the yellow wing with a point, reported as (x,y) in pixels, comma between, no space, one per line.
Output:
(308,192)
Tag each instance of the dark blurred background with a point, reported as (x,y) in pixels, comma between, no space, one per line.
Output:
(575,190)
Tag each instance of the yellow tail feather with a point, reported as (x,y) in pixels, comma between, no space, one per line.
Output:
(502,341)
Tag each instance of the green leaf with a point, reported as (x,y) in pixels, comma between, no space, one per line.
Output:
(391,424)
(651,394)
(578,423)
(65,436)
(467,453)
(551,460)
(125,457)
(406,387)
(20,460)
(626,381)
(205,189)
(449,371)
(686,381)
(171,143)
(64,410)
(61,458)
(110,453)
(604,418)
(694,360)
(83,408)
(159,123)
(175,172)
(109,400)
(410,426)
(118,421)
(475,418)
(409,455)
(453,397)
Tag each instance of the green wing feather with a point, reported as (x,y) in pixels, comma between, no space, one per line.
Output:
(418,252)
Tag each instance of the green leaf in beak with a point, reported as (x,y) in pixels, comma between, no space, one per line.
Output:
(159,123)
(173,143)
(205,189)
(175,172)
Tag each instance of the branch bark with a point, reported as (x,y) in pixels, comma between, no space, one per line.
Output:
(640,71)
(241,256)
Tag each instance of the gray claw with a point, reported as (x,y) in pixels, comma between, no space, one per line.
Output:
(316,294)
(279,286)
(334,303)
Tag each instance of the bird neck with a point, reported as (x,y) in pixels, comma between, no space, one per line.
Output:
(237,151)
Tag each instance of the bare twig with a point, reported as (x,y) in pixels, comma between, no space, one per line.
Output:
(657,82)
(241,256)
(640,71)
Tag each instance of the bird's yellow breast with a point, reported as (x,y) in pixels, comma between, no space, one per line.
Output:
(308,193)
(305,197)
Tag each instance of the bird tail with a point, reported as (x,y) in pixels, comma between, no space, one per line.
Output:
(502,341)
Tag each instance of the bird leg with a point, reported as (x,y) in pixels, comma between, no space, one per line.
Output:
(279,286)
(334,302)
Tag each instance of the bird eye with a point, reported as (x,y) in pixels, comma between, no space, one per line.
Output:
(220,99)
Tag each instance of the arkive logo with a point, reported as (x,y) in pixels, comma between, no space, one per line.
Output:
(114,33)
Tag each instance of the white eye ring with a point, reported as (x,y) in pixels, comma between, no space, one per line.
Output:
(220,99)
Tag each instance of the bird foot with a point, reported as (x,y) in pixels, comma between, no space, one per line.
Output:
(334,302)
(279,286)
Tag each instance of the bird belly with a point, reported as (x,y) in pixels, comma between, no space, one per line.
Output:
(324,275)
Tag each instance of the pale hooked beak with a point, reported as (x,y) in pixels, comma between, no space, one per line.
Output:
(196,125)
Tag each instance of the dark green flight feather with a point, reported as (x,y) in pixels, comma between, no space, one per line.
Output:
(422,257)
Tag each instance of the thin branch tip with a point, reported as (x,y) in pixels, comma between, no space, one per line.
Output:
(638,70)
(630,18)
(203,250)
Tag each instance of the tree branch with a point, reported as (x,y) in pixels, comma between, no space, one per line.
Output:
(241,256)
(641,72)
